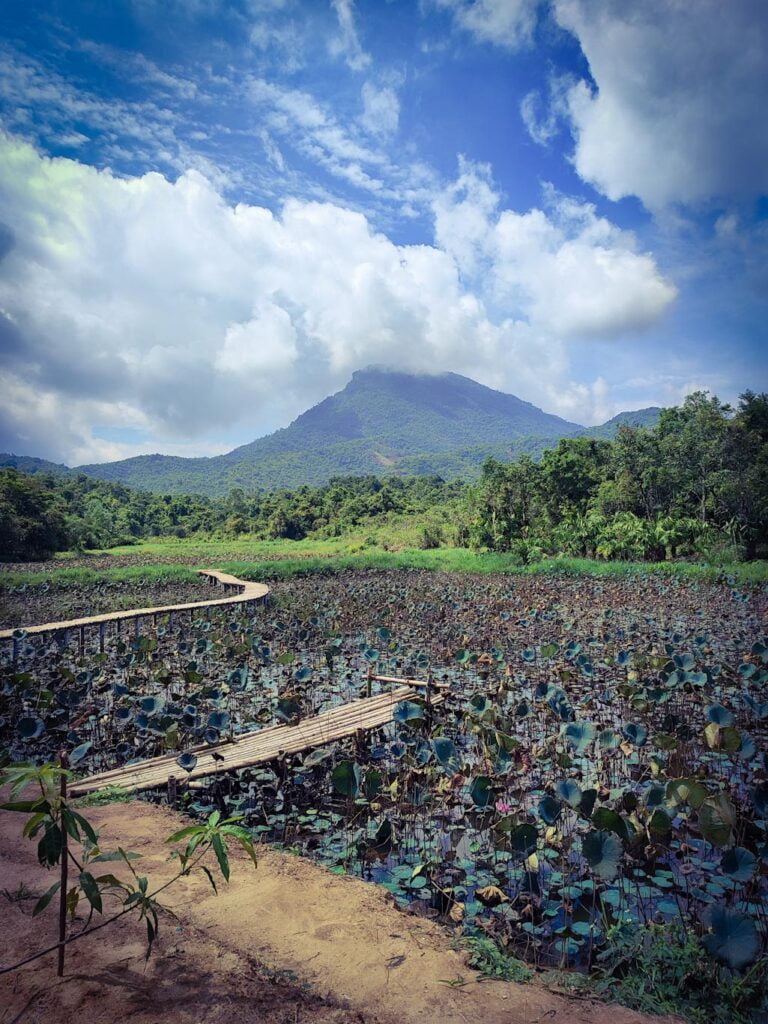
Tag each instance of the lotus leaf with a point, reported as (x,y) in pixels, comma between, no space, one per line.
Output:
(738,863)
(733,936)
(579,735)
(569,791)
(549,809)
(187,761)
(717,819)
(346,778)
(446,753)
(603,852)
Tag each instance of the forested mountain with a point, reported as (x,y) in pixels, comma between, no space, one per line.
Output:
(383,422)
(639,418)
(31,465)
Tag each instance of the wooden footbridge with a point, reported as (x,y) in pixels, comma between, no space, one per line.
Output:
(247,749)
(267,744)
(247,593)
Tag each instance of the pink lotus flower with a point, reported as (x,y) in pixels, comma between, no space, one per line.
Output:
(503,807)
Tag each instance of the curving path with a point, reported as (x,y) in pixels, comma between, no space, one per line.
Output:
(249,592)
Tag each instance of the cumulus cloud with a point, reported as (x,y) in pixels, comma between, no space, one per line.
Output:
(505,23)
(565,269)
(677,110)
(154,304)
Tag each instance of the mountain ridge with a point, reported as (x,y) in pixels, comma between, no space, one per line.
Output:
(383,421)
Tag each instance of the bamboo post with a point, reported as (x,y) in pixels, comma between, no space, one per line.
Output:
(172,792)
(64,763)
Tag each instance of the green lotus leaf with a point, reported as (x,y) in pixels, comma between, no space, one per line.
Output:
(603,852)
(738,863)
(549,809)
(446,753)
(733,936)
(579,735)
(606,819)
(346,778)
(569,791)
(523,839)
(481,791)
(717,818)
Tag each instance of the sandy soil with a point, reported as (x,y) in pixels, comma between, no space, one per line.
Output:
(288,942)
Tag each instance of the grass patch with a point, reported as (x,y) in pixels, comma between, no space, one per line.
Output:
(108,795)
(274,560)
(84,577)
(662,970)
(486,957)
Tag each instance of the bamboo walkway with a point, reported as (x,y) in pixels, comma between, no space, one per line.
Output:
(250,748)
(248,592)
(258,747)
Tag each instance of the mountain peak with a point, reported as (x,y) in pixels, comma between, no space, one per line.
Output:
(384,420)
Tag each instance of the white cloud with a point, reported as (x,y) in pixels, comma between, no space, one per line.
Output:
(543,118)
(566,270)
(381,109)
(138,301)
(678,114)
(135,67)
(505,23)
(348,43)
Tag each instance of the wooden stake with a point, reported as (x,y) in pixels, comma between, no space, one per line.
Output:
(64,763)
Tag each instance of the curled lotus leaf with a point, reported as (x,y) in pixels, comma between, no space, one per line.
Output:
(187,761)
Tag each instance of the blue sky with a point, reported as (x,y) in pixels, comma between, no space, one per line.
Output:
(213,212)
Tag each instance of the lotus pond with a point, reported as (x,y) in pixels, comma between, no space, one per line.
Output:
(599,759)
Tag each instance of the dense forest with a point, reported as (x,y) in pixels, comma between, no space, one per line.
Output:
(696,484)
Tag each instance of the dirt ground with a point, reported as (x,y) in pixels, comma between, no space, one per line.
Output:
(288,943)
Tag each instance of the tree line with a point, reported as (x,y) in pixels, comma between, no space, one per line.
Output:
(696,484)
(42,514)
